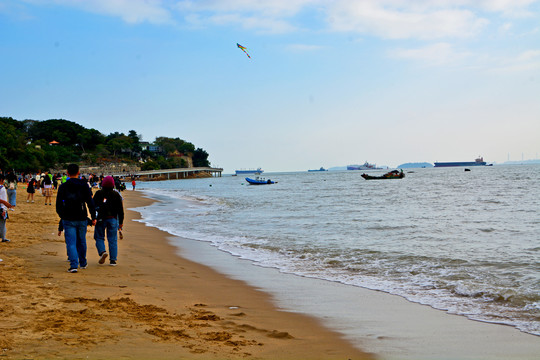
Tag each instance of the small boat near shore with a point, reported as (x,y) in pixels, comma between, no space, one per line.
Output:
(394,174)
(259,181)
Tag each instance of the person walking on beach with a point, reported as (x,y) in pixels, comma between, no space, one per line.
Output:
(4,206)
(133,183)
(31,189)
(48,186)
(73,198)
(11,188)
(110,218)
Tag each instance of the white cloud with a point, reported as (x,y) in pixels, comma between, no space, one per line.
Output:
(505,27)
(506,7)
(131,11)
(388,19)
(435,54)
(304,47)
(445,54)
(270,16)
(529,55)
(263,24)
(513,8)
(271,8)
(394,19)
(525,61)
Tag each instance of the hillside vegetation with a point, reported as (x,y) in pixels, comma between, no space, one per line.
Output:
(31,145)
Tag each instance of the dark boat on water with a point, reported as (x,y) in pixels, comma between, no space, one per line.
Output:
(321,169)
(477,162)
(259,181)
(394,174)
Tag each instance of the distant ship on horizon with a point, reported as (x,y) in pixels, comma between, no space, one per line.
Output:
(257,171)
(477,162)
(321,169)
(366,166)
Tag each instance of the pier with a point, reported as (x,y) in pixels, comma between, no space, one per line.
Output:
(171,174)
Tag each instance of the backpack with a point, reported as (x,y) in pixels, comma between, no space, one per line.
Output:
(73,203)
(106,209)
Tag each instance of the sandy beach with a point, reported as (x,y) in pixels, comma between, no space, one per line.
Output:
(153,305)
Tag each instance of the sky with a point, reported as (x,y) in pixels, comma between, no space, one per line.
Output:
(329,82)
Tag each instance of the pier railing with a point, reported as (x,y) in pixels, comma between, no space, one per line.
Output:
(168,174)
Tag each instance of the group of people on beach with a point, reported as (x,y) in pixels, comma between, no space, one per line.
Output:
(77,208)
(48,182)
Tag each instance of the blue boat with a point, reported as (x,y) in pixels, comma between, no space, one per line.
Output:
(478,162)
(259,181)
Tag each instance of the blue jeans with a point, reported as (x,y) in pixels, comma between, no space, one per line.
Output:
(3,228)
(12,196)
(111,226)
(75,235)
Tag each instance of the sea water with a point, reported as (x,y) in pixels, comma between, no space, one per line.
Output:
(467,242)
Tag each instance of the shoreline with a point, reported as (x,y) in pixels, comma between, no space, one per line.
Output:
(379,322)
(154,304)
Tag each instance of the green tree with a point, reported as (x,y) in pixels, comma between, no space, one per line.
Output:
(63,131)
(12,145)
(119,144)
(150,165)
(200,158)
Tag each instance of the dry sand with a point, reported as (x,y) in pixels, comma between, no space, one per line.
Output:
(153,305)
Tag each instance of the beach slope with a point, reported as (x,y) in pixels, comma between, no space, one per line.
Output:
(153,305)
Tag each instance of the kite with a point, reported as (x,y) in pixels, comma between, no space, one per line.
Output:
(243,49)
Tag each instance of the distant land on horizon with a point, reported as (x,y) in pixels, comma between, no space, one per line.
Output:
(520,162)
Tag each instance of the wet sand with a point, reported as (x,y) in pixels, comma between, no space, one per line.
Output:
(153,305)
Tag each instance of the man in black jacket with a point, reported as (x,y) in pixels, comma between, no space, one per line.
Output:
(71,202)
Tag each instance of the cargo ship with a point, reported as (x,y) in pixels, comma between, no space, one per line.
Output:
(249,171)
(366,166)
(478,162)
(321,169)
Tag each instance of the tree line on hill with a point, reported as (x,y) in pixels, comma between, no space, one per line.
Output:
(32,145)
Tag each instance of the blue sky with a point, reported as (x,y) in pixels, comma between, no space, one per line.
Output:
(330,82)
